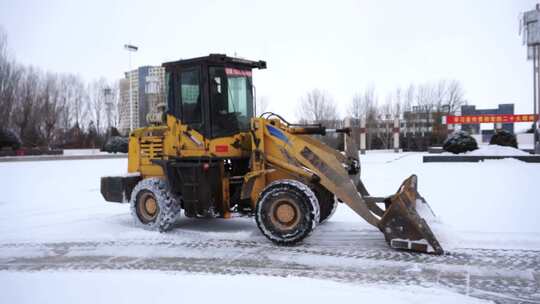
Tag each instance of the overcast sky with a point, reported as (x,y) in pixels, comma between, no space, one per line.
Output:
(339,46)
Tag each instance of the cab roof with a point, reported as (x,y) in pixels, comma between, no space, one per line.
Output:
(220,59)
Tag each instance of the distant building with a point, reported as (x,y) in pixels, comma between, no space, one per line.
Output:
(422,119)
(506,108)
(421,127)
(147,92)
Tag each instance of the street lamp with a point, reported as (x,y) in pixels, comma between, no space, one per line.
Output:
(130,48)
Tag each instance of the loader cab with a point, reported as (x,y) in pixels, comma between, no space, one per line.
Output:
(213,94)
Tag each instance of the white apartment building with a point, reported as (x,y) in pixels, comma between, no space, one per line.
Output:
(147,92)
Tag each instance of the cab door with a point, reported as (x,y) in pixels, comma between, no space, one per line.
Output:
(190,109)
(190,98)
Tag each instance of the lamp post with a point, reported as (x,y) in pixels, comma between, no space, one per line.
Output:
(130,48)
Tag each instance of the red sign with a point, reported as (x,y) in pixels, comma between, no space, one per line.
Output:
(237,72)
(496,118)
(222,148)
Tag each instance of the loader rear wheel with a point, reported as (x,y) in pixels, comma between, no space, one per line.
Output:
(154,206)
(287,211)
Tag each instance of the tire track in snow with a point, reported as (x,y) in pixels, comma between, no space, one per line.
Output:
(505,276)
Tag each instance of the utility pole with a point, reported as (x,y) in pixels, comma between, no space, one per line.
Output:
(536,100)
(530,30)
(130,48)
(536,132)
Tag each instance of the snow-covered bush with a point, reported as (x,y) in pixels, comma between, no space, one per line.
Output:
(116,144)
(460,142)
(504,138)
(9,139)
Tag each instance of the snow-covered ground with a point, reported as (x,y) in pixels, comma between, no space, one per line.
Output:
(151,287)
(54,219)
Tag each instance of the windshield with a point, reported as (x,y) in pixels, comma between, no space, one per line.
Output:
(231,100)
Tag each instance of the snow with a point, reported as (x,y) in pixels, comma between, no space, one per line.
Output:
(492,150)
(492,204)
(496,150)
(83,152)
(493,201)
(443,232)
(156,287)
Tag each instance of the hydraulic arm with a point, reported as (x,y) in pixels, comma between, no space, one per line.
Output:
(287,146)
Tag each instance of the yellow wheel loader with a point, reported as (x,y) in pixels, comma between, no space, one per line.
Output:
(210,157)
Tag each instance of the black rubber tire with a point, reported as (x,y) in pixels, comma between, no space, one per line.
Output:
(327,203)
(303,198)
(169,204)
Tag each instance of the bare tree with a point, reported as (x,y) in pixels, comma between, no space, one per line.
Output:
(455,96)
(50,107)
(450,97)
(116,102)
(409,97)
(97,102)
(317,107)
(66,98)
(111,105)
(357,107)
(397,103)
(426,104)
(364,105)
(27,102)
(79,99)
(10,74)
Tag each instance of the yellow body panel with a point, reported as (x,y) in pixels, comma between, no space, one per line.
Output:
(275,157)
(281,151)
(178,140)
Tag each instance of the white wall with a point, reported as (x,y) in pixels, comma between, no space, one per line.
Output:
(525,140)
(81,151)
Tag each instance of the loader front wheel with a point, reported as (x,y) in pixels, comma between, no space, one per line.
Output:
(154,206)
(287,211)
(327,203)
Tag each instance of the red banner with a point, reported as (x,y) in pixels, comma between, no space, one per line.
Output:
(496,118)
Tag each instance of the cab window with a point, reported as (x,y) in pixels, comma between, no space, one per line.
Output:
(191,96)
(231,100)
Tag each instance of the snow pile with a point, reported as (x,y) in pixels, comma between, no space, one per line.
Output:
(490,204)
(121,287)
(444,233)
(497,150)
(492,150)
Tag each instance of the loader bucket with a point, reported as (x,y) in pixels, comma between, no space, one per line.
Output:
(404,220)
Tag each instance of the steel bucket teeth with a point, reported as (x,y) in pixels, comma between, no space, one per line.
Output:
(402,225)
